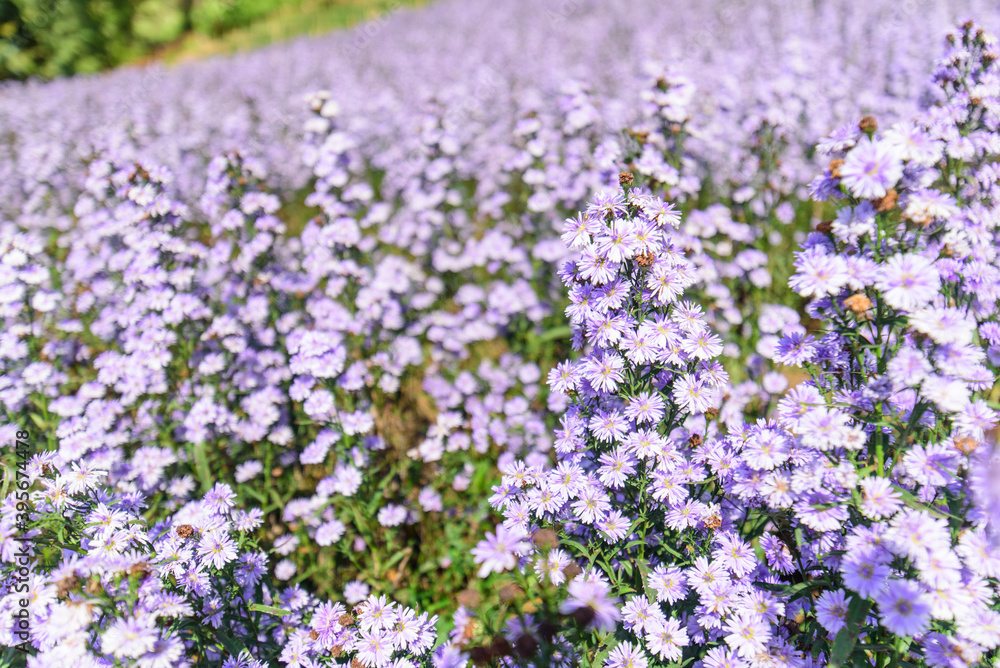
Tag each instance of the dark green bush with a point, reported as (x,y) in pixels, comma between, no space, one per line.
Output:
(49,38)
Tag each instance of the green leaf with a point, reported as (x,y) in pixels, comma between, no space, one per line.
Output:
(581,550)
(233,646)
(916,504)
(201,467)
(39,422)
(396,558)
(843,644)
(643,564)
(602,655)
(561,332)
(793,590)
(269,609)
(8,476)
(857,610)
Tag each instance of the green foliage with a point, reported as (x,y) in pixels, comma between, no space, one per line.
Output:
(216,17)
(49,38)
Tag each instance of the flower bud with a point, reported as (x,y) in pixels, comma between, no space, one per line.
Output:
(583,616)
(526,646)
(868,125)
(499,646)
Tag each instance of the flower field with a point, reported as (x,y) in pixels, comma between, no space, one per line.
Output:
(573,333)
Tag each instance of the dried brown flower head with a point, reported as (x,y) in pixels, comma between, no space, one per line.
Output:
(645,259)
(469,598)
(640,136)
(545,539)
(509,592)
(966,445)
(139,570)
(66,585)
(571,571)
(887,203)
(469,631)
(858,303)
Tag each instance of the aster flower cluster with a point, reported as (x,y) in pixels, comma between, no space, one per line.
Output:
(880,471)
(656,148)
(356,343)
(773,62)
(641,492)
(728,241)
(106,588)
(857,525)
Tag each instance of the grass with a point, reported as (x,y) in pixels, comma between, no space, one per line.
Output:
(292,18)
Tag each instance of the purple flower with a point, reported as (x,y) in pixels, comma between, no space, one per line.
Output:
(747,633)
(355,592)
(609,426)
(903,608)
(626,655)
(499,552)
(818,273)
(217,548)
(130,638)
(864,573)
(871,168)
(604,371)
(908,282)
(878,498)
(391,515)
(831,610)
(795,349)
(591,599)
